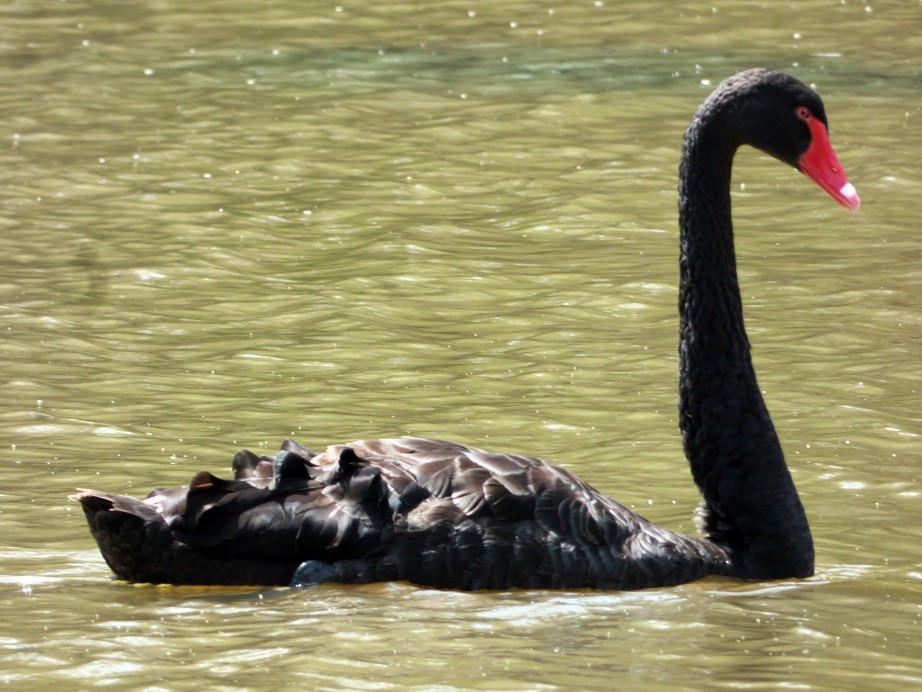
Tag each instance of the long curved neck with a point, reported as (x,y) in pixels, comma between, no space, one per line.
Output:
(751,508)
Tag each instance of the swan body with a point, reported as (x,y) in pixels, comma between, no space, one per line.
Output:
(450,516)
(426,511)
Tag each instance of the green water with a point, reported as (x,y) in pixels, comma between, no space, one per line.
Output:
(229,224)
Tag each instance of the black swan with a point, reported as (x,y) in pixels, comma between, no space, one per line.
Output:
(445,515)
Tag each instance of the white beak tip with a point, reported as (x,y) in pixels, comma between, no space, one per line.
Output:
(850,196)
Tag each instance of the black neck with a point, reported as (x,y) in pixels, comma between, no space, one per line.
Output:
(751,507)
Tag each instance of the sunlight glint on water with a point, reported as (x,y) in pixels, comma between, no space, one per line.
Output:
(224,225)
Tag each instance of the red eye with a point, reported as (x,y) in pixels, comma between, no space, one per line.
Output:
(804,113)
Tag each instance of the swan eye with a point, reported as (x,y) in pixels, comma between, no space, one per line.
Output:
(804,113)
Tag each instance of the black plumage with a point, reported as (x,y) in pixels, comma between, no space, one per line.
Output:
(451,516)
(427,511)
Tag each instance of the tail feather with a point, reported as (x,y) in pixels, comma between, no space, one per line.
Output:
(138,546)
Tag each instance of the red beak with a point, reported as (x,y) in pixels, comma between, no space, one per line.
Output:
(821,165)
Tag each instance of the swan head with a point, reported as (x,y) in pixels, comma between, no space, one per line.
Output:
(784,118)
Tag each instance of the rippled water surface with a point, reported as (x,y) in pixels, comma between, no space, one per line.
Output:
(230,223)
